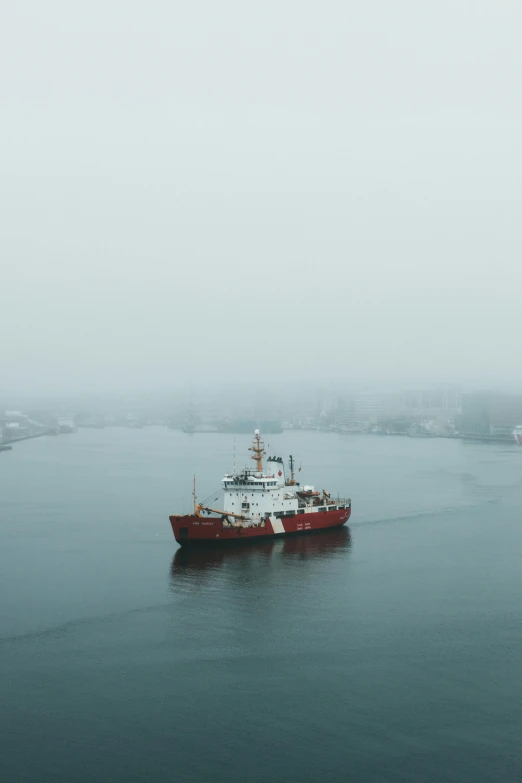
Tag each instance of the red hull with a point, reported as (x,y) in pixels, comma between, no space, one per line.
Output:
(191,529)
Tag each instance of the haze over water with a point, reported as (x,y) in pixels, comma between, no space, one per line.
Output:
(307,193)
(390,652)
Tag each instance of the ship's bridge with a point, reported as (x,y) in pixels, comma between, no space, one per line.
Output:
(252,480)
(272,476)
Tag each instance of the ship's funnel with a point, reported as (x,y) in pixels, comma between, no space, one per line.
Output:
(275,467)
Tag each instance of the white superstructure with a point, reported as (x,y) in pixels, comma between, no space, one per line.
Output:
(253,495)
(256,494)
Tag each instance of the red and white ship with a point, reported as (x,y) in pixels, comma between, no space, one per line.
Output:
(517,434)
(261,503)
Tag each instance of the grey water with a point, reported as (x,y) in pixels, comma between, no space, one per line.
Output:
(389,651)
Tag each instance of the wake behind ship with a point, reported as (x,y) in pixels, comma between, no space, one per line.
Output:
(261,503)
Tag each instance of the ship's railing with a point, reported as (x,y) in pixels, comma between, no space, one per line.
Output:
(340,502)
(331,505)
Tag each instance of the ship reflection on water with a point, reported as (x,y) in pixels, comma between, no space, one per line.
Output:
(324,544)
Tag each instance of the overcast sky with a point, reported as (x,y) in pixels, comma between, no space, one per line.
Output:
(275,191)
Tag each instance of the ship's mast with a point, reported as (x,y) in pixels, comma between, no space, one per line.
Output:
(194,495)
(257,447)
(292,474)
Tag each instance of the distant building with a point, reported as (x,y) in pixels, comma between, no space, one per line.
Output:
(11,429)
(431,402)
(367,408)
(15,416)
(66,426)
(490,414)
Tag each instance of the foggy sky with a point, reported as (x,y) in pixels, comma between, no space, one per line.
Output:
(269,192)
